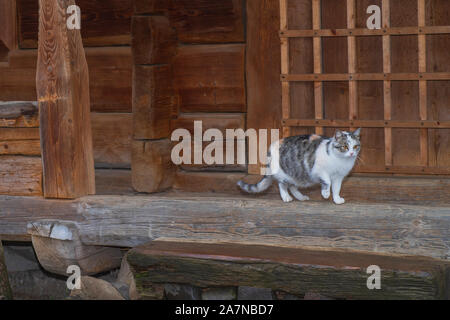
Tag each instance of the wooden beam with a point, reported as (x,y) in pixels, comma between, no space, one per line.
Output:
(367,76)
(422,48)
(127,221)
(351,49)
(317,52)
(332,273)
(62,83)
(385,30)
(387,83)
(285,86)
(369,123)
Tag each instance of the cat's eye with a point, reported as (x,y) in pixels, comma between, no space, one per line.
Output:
(355,147)
(345,148)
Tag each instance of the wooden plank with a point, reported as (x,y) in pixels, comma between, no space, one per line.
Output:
(8,26)
(331,273)
(422,45)
(369,123)
(154,101)
(112,134)
(151,164)
(20,141)
(128,221)
(285,86)
(351,45)
(263,70)
(367,76)
(357,32)
(110,78)
(317,51)
(211,78)
(66,136)
(104,23)
(387,84)
(212,21)
(20,176)
(154,40)
(16,109)
(358,188)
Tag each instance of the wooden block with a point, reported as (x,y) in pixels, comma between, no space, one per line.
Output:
(57,245)
(95,289)
(102,22)
(20,147)
(152,168)
(153,101)
(210,78)
(331,273)
(20,176)
(112,134)
(65,124)
(208,21)
(150,6)
(154,40)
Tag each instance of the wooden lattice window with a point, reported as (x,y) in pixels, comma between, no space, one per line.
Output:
(346,34)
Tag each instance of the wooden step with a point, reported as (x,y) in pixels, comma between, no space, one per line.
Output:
(333,273)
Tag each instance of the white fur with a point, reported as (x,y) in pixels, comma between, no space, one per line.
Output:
(331,167)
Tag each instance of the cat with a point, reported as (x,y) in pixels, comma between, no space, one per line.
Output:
(306,160)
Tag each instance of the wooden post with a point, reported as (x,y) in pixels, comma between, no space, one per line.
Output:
(422,45)
(8,23)
(62,82)
(351,44)
(387,83)
(5,288)
(317,44)
(285,85)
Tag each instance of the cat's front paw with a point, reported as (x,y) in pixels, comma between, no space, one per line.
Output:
(287,198)
(339,200)
(325,193)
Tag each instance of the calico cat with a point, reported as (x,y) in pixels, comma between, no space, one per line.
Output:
(303,161)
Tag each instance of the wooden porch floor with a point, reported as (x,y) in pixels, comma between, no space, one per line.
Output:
(382,215)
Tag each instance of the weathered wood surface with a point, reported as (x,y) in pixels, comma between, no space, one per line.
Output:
(132,220)
(20,175)
(109,78)
(151,165)
(66,136)
(5,288)
(58,246)
(154,101)
(16,109)
(103,22)
(336,274)
(211,21)
(112,134)
(150,6)
(154,40)
(211,78)
(20,141)
(8,18)
(263,70)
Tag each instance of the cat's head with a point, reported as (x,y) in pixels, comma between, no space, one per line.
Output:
(347,144)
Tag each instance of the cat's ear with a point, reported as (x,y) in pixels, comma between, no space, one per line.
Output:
(357,133)
(338,134)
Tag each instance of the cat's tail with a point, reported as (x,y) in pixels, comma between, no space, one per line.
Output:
(261,186)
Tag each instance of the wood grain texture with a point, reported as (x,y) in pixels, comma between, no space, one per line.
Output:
(208,21)
(152,167)
(154,101)
(20,176)
(150,6)
(128,221)
(293,270)
(211,78)
(263,70)
(62,83)
(8,24)
(110,78)
(112,134)
(103,22)
(154,40)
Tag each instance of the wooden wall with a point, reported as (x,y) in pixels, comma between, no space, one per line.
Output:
(106,31)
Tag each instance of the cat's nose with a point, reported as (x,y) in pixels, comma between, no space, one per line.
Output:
(351,154)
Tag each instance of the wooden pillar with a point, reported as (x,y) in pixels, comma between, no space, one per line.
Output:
(154,100)
(62,82)
(318,65)
(5,288)
(387,83)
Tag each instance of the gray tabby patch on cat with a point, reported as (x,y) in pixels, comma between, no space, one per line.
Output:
(303,161)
